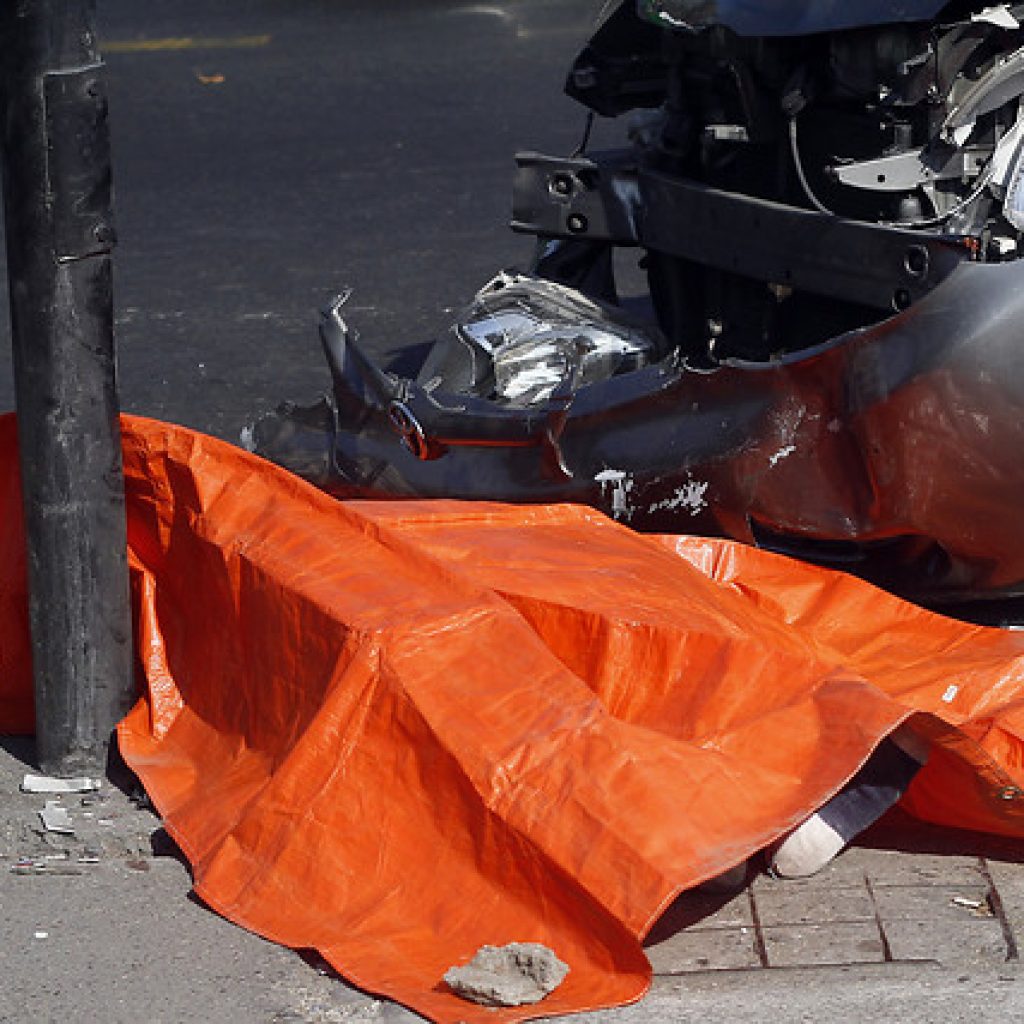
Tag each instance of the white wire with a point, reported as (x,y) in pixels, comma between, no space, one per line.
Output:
(798,164)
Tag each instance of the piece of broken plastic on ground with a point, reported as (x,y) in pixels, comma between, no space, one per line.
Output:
(397,732)
(47,784)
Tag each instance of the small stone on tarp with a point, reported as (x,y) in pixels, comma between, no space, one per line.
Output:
(512,975)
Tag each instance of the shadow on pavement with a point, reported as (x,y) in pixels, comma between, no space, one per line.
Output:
(900,832)
(21,748)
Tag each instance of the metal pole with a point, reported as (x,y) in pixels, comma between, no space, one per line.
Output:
(57,203)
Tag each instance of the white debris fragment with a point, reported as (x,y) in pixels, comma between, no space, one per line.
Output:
(56,818)
(621,484)
(47,784)
(1000,16)
(782,453)
(41,935)
(690,497)
(247,438)
(968,904)
(627,191)
(962,134)
(950,695)
(667,18)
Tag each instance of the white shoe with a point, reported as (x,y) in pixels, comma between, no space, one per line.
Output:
(806,850)
(879,784)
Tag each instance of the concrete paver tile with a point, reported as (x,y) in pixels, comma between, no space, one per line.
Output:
(696,910)
(782,904)
(971,941)
(898,868)
(703,949)
(805,945)
(815,944)
(936,903)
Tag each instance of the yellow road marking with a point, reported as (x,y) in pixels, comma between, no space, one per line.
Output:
(183,43)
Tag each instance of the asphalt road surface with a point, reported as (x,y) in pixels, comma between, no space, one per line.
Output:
(269,153)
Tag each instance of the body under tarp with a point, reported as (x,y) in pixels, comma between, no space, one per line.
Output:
(395,732)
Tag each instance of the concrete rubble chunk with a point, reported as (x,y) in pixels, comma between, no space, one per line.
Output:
(56,818)
(512,975)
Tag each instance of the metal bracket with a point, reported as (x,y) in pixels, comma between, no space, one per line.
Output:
(606,199)
(78,156)
(576,197)
(903,172)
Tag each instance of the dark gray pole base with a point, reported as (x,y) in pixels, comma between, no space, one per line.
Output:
(57,200)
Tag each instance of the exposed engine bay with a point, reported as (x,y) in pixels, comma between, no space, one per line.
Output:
(908,135)
(827,203)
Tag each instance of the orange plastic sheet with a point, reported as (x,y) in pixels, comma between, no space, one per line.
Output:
(397,731)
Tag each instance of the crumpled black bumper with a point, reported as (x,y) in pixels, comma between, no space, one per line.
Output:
(895,451)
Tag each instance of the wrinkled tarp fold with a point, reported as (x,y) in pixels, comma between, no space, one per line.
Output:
(397,731)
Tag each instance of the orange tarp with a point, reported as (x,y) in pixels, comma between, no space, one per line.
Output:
(397,731)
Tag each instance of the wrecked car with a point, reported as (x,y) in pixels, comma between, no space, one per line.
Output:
(826,202)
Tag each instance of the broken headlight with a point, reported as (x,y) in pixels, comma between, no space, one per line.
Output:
(540,336)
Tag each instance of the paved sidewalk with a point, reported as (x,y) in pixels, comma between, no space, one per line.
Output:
(914,924)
